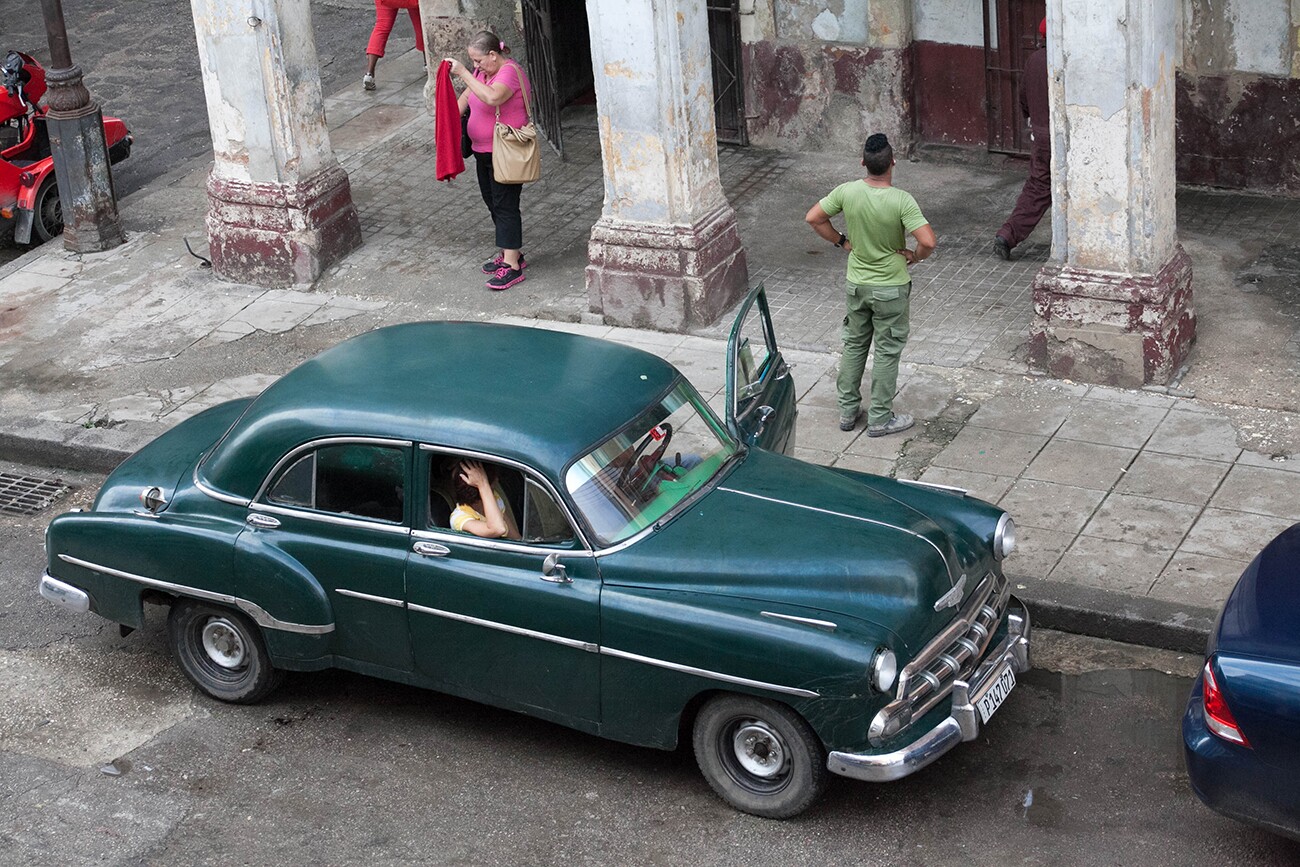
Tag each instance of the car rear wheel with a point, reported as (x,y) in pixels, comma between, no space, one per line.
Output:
(221,651)
(47,218)
(759,756)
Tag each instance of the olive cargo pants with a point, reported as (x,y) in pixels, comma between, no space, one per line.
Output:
(878,313)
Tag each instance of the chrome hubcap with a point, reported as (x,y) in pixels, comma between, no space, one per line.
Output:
(223,643)
(760,750)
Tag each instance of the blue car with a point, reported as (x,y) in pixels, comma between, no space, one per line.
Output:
(1241,731)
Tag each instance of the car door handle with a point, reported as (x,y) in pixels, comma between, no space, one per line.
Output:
(553,570)
(430,549)
(265,522)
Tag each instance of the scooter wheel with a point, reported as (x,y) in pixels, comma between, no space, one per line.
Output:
(48,217)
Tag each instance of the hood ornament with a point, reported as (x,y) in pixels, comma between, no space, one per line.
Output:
(952,597)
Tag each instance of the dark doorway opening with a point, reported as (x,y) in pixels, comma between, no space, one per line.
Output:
(558,41)
(1010,34)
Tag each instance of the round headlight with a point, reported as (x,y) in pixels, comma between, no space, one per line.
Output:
(884,670)
(1004,537)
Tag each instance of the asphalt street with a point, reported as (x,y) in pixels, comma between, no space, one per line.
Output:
(140,62)
(109,756)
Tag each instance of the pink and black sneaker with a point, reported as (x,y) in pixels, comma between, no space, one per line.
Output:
(506,277)
(491,266)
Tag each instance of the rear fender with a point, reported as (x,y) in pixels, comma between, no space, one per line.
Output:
(298,618)
(117,558)
(40,170)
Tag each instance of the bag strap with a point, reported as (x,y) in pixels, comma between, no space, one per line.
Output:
(523,85)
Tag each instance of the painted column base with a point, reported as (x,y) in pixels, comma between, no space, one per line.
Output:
(277,235)
(669,278)
(91,223)
(1110,328)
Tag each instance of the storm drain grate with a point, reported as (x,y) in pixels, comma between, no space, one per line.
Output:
(24,495)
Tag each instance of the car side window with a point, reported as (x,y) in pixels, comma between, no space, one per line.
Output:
(353,479)
(752,353)
(544,521)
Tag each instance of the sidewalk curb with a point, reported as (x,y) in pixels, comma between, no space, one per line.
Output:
(1115,616)
(1052,604)
(68,446)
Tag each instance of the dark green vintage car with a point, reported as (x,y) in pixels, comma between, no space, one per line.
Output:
(668,574)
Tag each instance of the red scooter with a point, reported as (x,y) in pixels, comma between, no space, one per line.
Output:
(28,193)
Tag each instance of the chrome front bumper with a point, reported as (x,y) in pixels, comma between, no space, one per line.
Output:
(64,595)
(963,722)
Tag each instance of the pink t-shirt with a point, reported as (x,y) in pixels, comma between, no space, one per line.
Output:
(483,117)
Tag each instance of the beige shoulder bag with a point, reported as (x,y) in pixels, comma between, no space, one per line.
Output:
(516,157)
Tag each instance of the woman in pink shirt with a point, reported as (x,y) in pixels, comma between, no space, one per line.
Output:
(495,85)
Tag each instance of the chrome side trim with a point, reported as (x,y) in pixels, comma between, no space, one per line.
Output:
(337,520)
(382,600)
(962,724)
(472,541)
(252,609)
(712,675)
(214,493)
(820,624)
(942,558)
(263,618)
(587,646)
(952,489)
(64,595)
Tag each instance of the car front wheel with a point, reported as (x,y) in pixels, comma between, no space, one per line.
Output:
(760,756)
(221,651)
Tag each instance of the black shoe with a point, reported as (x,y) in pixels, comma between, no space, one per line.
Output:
(1001,248)
(491,266)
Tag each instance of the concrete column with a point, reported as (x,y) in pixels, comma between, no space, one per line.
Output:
(665,252)
(279,205)
(1115,304)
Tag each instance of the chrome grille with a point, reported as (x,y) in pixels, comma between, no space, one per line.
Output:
(952,655)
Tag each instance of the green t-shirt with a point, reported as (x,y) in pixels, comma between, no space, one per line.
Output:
(877,221)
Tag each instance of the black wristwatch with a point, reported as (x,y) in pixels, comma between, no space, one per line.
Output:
(843,238)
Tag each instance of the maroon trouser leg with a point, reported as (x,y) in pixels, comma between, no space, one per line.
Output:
(1035,197)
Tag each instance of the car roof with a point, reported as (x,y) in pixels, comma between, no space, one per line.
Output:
(531,394)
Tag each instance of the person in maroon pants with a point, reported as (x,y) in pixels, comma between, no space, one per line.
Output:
(1036,196)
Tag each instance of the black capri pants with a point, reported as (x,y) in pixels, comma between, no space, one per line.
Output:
(502,201)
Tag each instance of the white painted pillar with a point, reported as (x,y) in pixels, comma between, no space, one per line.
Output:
(280,206)
(665,252)
(1115,305)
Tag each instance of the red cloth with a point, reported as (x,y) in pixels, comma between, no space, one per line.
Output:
(446,120)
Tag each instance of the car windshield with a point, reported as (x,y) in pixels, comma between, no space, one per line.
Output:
(638,475)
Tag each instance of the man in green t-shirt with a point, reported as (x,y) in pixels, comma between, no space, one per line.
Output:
(878,217)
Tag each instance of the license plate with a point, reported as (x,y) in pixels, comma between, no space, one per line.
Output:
(997,693)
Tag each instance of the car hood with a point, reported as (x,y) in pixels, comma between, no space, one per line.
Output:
(785,532)
(1262,615)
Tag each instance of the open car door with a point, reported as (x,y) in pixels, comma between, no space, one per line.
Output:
(760,390)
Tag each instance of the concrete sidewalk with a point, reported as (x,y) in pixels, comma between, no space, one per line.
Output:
(1137,509)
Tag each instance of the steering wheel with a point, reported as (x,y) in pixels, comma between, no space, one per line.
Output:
(639,472)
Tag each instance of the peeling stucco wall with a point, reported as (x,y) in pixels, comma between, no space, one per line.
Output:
(824,74)
(1239,94)
(261,80)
